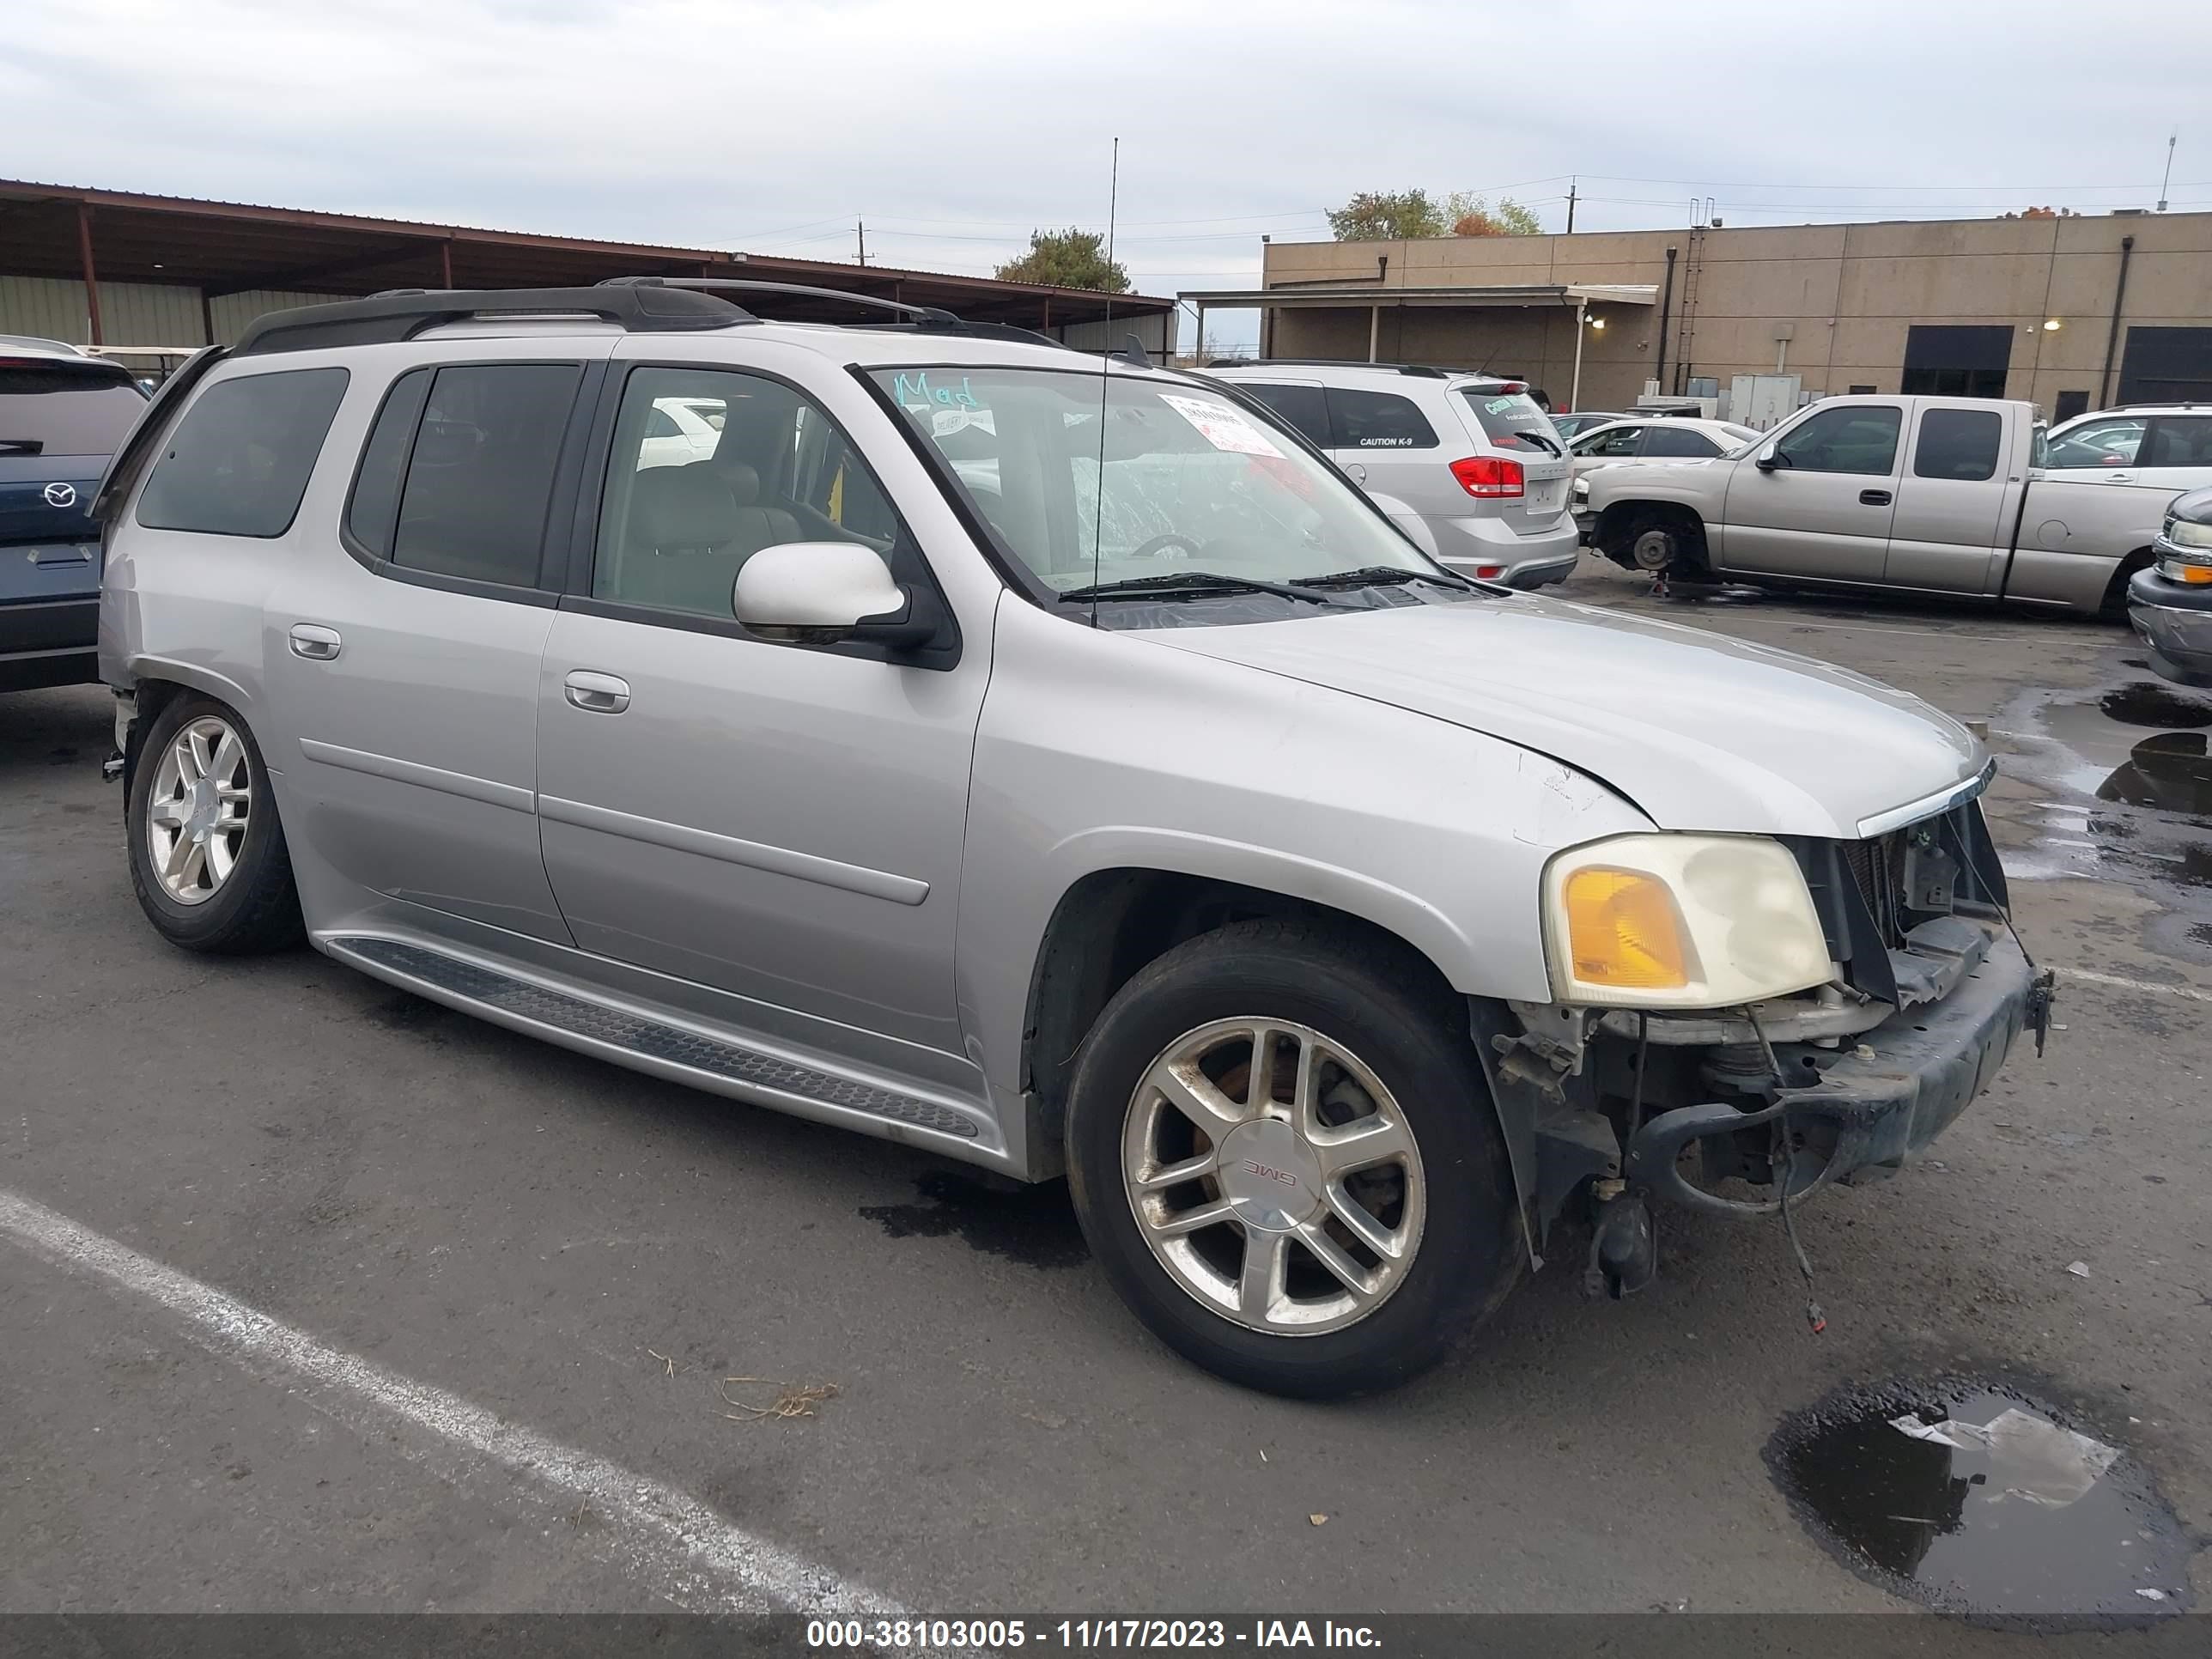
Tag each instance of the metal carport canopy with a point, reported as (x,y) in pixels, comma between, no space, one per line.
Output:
(1351,296)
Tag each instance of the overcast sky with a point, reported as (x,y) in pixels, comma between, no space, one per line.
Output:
(953,127)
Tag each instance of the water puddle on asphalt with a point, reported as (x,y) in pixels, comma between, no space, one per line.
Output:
(1976,1500)
(1033,1225)
(2138,760)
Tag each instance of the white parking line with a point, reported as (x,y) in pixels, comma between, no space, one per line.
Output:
(2096,978)
(675,1544)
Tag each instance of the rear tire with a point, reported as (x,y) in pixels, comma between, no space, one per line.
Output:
(2114,605)
(208,859)
(1334,1262)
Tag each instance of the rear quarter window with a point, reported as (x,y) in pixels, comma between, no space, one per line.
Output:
(1378,420)
(238,463)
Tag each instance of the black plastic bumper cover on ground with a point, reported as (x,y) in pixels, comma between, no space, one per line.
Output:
(1887,1095)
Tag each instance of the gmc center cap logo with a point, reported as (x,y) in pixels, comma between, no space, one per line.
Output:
(1252,1166)
(60,495)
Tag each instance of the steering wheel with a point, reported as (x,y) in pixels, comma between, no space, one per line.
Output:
(1156,547)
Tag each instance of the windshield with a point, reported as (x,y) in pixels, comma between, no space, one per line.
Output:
(1510,420)
(65,409)
(1193,482)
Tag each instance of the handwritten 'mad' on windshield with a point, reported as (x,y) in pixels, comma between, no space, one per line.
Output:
(914,391)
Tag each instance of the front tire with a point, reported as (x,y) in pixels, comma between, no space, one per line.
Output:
(208,859)
(1327,1221)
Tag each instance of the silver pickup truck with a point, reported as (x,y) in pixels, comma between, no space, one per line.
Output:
(1924,495)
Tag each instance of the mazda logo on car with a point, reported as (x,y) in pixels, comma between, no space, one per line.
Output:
(60,495)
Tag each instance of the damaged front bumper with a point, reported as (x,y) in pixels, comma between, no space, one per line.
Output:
(1859,1108)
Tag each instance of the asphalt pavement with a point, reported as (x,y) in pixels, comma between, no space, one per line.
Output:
(314,1295)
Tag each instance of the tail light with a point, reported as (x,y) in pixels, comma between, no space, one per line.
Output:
(1488,477)
(1490,571)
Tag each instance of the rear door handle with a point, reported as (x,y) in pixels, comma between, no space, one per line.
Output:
(2119,477)
(1874,497)
(596,694)
(315,644)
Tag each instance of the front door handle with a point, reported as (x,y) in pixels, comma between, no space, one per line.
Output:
(596,694)
(315,644)
(2119,477)
(1874,497)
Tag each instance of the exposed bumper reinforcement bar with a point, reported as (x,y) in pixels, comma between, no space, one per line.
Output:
(1858,1108)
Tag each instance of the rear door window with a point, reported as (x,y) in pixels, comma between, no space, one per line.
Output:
(65,408)
(1378,420)
(1679,442)
(239,462)
(1301,408)
(1511,420)
(1958,443)
(479,476)
(2178,440)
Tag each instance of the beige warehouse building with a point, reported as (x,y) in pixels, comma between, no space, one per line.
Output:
(2072,312)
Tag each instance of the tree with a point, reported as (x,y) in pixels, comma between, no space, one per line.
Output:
(1067,258)
(1468,215)
(1397,216)
(1389,216)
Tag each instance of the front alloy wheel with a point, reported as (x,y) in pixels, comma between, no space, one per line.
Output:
(198,810)
(1273,1176)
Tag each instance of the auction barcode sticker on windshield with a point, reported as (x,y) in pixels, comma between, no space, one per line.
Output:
(1222,426)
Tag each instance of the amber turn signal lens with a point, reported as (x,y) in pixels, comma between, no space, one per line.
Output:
(1623,930)
(2194,574)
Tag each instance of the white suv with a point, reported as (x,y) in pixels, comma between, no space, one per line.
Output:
(1470,456)
(2167,445)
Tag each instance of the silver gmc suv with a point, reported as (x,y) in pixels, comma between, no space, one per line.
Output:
(1047,761)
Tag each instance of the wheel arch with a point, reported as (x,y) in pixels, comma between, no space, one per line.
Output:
(1112,921)
(1619,522)
(157,681)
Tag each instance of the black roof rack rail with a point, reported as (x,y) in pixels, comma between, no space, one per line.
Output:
(402,313)
(755,285)
(1424,371)
(927,319)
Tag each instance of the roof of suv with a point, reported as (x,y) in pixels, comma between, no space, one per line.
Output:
(1335,368)
(2199,407)
(32,345)
(910,334)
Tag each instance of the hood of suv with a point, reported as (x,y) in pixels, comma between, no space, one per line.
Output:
(1700,731)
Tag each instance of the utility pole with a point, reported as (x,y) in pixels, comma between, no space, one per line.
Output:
(860,232)
(1573,184)
(2168,178)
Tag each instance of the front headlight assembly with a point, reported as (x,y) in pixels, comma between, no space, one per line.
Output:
(2188,532)
(1681,921)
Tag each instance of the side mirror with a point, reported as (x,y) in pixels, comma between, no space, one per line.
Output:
(822,593)
(1769,458)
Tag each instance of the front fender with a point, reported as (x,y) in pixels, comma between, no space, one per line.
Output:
(1100,751)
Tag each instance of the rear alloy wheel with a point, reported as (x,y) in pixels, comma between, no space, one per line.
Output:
(1284,1154)
(208,858)
(1275,1177)
(198,810)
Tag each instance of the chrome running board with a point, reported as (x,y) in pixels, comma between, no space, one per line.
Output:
(576,1020)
